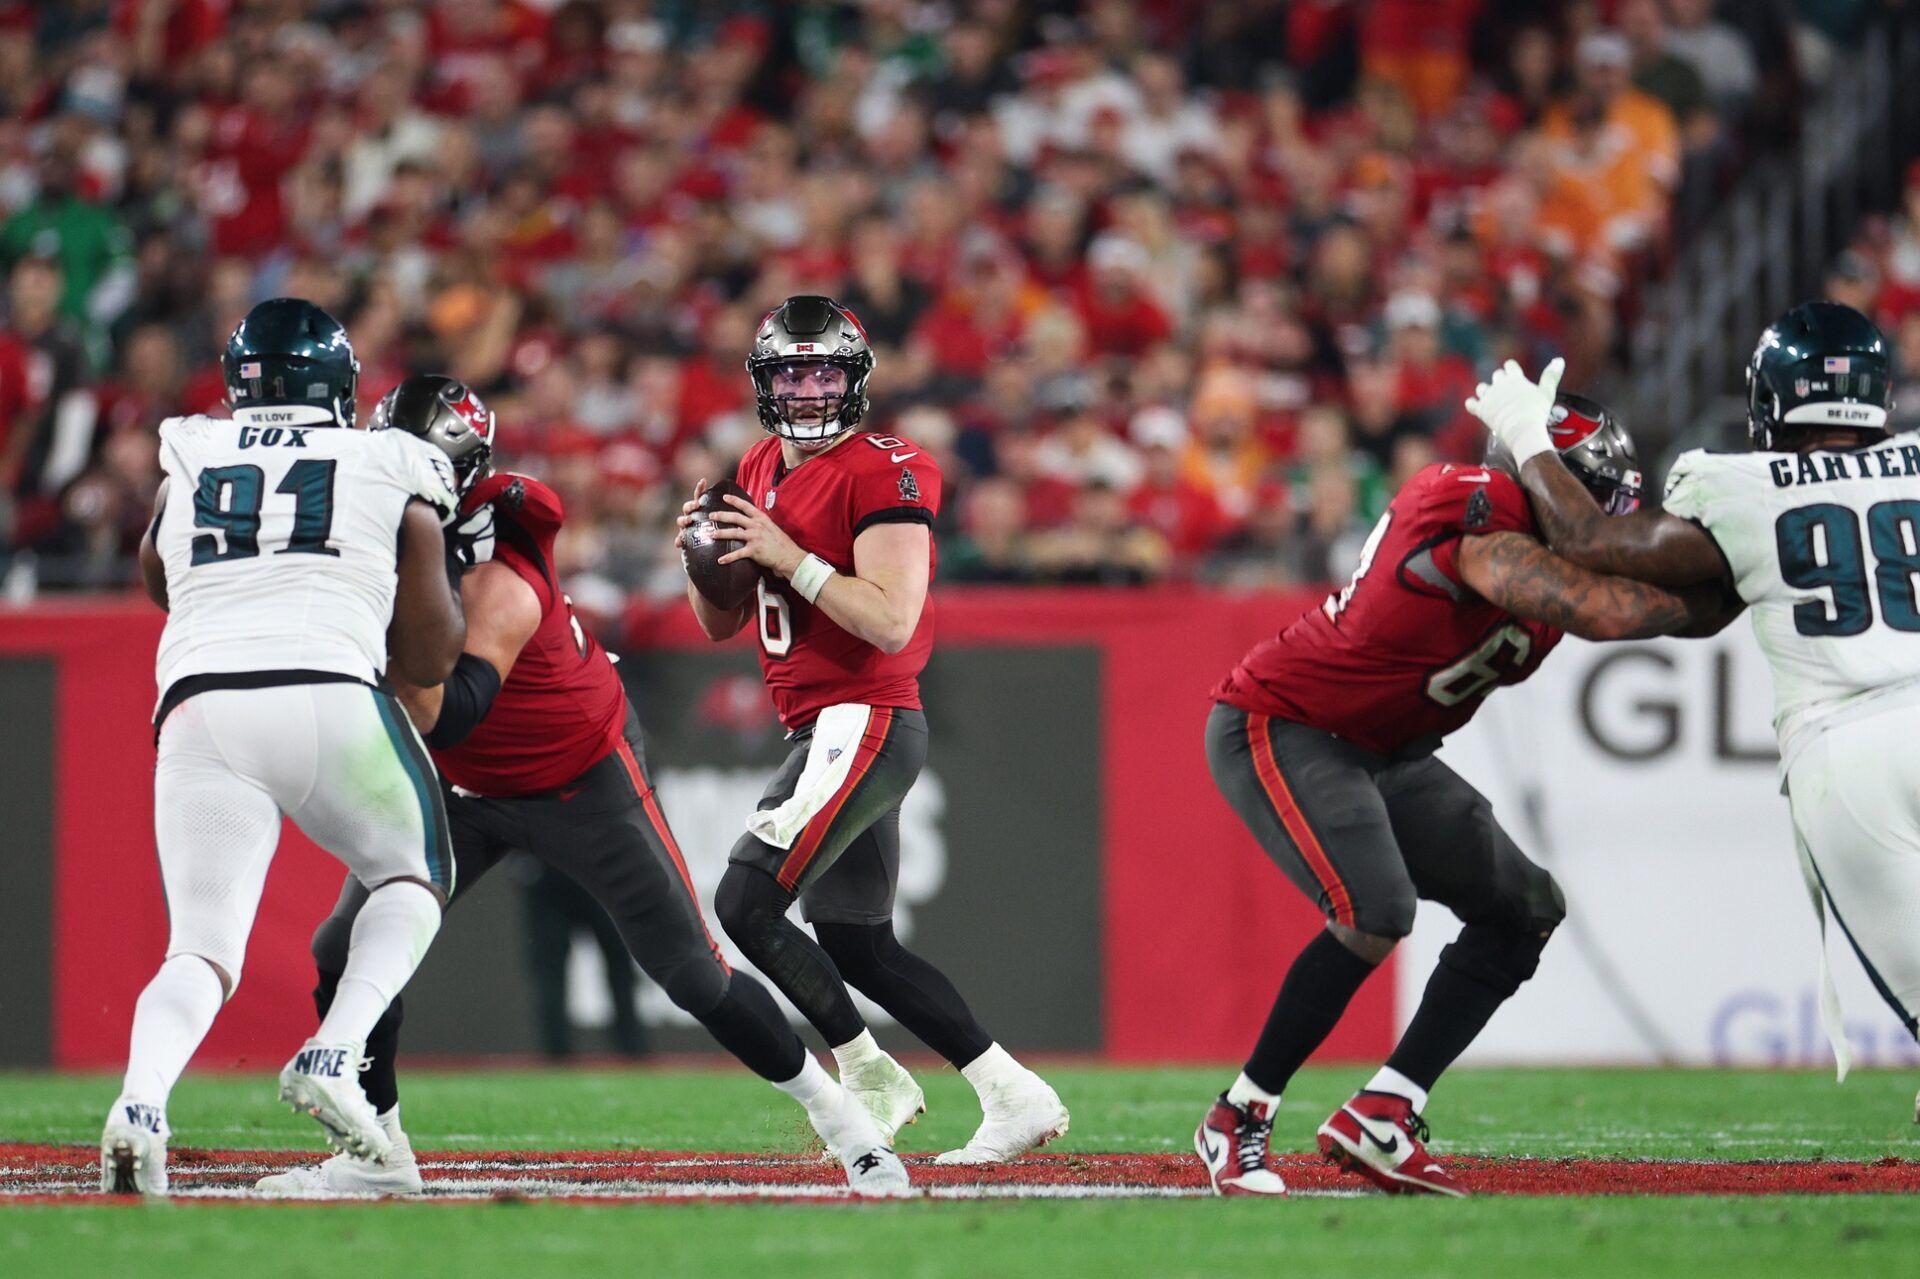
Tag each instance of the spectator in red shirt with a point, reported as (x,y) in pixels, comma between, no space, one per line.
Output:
(1166,499)
(1120,312)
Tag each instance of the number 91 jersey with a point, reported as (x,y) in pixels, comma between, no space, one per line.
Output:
(1405,652)
(1825,547)
(281,543)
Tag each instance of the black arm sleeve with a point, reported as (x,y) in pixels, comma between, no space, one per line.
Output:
(464,700)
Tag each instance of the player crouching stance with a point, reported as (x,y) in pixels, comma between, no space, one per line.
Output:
(542,752)
(1323,740)
(842,530)
(298,560)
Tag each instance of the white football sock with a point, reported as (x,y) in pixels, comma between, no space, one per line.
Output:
(856,1052)
(1245,1090)
(1389,1080)
(812,1085)
(174,1014)
(390,937)
(994,1066)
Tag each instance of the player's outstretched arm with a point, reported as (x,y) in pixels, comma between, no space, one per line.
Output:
(153,570)
(502,613)
(1518,574)
(1649,545)
(428,629)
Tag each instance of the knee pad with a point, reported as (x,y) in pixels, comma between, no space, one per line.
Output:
(696,984)
(750,904)
(1499,958)
(330,943)
(858,949)
(1387,914)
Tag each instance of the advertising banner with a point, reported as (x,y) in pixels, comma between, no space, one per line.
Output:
(1644,776)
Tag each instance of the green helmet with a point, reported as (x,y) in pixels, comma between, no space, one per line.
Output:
(289,352)
(1821,365)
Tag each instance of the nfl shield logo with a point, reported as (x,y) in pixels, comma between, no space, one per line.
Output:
(250,370)
(1801,386)
(1837,364)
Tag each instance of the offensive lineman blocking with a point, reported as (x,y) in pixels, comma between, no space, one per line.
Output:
(276,562)
(541,750)
(1818,530)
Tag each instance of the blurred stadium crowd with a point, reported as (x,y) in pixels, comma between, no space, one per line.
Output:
(1176,290)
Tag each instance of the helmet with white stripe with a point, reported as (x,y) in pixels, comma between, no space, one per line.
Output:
(1820,367)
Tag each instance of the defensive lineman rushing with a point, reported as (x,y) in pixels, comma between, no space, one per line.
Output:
(842,534)
(1323,739)
(273,548)
(541,751)
(1818,530)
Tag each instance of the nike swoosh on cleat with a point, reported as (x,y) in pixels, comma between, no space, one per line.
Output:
(901,457)
(1208,1151)
(1386,1147)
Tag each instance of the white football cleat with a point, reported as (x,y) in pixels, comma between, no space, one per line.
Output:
(888,1092)
(133,1149)
(852,1137)
(323,1081)
(345,1175)
(1020,1113)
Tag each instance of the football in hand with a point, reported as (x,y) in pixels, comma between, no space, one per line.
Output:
(726,586)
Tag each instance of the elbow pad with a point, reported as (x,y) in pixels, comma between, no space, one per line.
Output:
(464,701)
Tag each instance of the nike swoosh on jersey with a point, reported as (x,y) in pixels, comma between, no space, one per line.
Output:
(901,457)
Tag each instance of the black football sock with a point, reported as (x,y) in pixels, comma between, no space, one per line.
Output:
(378,1080)
(753,909)
(917,994)
(1477,972)
(748,1024)
(1311,1001)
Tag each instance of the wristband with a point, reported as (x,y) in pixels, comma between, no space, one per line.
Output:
(810,577)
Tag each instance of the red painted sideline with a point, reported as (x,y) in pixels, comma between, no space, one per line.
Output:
(20,1163)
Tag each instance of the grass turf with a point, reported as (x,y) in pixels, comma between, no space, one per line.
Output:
(1607,1114)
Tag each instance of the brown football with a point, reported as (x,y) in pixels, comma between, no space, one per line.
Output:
(726,586)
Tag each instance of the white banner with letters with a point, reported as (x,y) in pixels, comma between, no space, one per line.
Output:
(1644,777)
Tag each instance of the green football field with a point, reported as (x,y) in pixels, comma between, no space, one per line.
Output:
(1800,1127)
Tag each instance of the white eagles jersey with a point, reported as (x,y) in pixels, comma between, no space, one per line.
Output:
(1825,549)
(281,542)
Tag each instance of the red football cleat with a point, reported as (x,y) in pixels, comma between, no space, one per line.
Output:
(1232,1142)
(1377,1135)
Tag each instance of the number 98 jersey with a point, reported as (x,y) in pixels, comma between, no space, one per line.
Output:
(1405,652)
(1825,547)
(281,540)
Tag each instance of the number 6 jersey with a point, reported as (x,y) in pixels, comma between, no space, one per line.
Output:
(824,504)
(1824,546)
(281,540)
(1406,652)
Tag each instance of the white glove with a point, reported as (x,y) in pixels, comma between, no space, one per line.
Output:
(1516,410)
(471,540)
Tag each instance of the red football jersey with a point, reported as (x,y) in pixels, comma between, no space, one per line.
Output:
(823,504)
(1406,651)
(562,706)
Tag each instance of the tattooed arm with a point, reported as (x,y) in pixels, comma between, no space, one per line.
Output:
(1520,575)
(1649,545)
